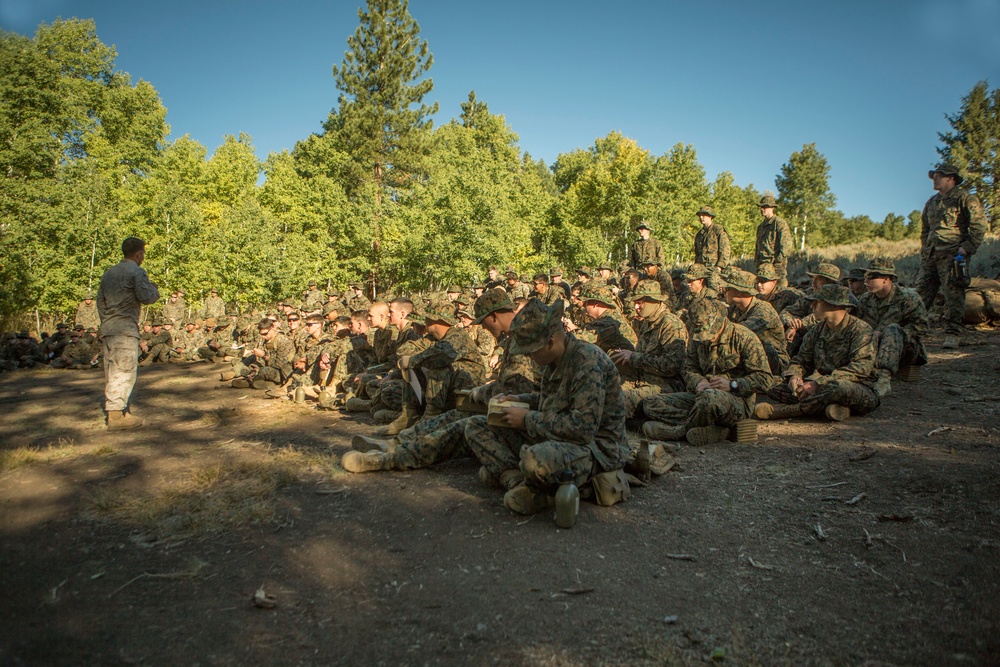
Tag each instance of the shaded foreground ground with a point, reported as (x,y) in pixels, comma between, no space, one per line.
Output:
(147,546)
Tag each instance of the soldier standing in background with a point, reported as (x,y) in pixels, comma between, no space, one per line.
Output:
(646,249)
(86,312)
(774,241)
(124,289)
(952,227)
(215,307)
(711,247)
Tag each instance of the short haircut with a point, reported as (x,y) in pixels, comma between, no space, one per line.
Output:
(344,320)
(541,278)
(265,324)
(132,245)
(403,304)
(360,315)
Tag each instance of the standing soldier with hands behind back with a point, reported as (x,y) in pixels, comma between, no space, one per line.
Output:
(952,226)
(774,240)
(124,289)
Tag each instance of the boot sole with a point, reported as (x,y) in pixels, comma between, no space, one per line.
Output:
(707,435)
(837,413)
(363,444)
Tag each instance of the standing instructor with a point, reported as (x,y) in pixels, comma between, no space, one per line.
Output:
(125,287)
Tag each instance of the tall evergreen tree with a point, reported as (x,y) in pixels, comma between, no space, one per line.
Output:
(972,143)
(381,121)
(804,193)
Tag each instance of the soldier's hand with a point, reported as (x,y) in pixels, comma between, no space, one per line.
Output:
(795,384)
(621,356)
(720,383)
(809,388)
(404,362)
(795,323)
(702,385)
(789,335)
(568,323)
(514,417)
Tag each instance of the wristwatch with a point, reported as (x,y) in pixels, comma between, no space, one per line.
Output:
(733,386)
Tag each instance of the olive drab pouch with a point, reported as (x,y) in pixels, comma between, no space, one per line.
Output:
(611,487)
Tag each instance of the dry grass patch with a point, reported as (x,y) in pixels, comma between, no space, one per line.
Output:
(64,449)
(241,490)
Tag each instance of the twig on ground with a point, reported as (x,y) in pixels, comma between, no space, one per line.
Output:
(856,499)
(820,534)
(828,486)
(196,567)
(681,557)
(759,566)
(940,429)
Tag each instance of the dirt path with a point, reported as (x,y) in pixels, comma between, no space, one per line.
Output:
(869,542)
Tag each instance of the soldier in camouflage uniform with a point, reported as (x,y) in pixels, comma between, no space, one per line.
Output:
(724,370)
(574,429)
(898,319)
(696,287)
(185,344)
(774,241)
(605,275)
(484,340)
(158,347)
(173,309)
(855,281)
(757,316)
(797,317)
(76,353)
(556,280)
(655,365)
(952,225)
(269,364)
(655,272)
(450,364)
(86,312)
(53,346)
(982,302)
(384,341)
(313,298)
(711,247)
(607,329)
(646,250)
(357,300)
(215,307)
(545,292)
(442,438)
(834,369)
(769,290)
(515,288)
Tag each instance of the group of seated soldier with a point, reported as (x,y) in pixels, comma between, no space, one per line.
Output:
(683,364)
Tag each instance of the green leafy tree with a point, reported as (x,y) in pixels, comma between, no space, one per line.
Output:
(678,190)
(893,227)
(736,208)
(805,197)
(971,144)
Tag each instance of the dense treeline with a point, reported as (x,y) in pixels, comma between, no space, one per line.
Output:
(379,193)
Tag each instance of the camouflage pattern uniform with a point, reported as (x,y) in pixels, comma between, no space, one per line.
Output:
(760,318)
(950,224)
(173,311)
(774,243)
(576,425)
(313,299)
(87,315)
(899,321)
(841,362)
(610,331)
(712,249)
(655,366)
(734,353)
(214,308)
(648,250)
(160,345)
(189,343)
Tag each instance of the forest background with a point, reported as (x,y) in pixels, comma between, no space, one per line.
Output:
(380,194)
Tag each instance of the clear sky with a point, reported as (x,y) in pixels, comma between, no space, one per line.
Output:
(745,83)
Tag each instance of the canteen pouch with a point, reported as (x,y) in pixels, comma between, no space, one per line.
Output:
(610,487)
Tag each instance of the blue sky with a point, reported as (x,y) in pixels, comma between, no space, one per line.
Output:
(745,83)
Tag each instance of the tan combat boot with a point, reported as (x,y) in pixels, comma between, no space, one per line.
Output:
(837,413)
(766,411)
(525,500)
(226,376)
(384,416)
(362,443)
(661,431)
(951,342)
(366,462)
(407,418)
(355,404)
(707,435)
(884,383)
(118,421)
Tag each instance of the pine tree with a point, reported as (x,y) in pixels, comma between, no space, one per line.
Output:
(972,144)
(381,123)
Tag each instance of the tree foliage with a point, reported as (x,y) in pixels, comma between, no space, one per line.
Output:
(972,144)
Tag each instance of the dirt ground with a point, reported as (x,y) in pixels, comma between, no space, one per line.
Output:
(872,542)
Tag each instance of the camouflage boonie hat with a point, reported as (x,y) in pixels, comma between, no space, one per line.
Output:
(462,312)
(706,210)
(948,170)
(454,288)
(157,323)
(440,310)
(88,295)
(856,273)
(696,272)
(584,271)
(649,289)
(606,266)
(510,270)
(79,327)
(676,274)
(534,325)
(835,295)
(767,200)
(742,281)
(705,318)
(767,272)
(490,302)
(643,225)
(62,325)
(92,330)
(826,270)
(602,294)
(332,292)
(211,322)
(329,307)
(313,283)
(881,266)
(555,271)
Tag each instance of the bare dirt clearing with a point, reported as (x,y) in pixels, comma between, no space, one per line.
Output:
(868,542)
